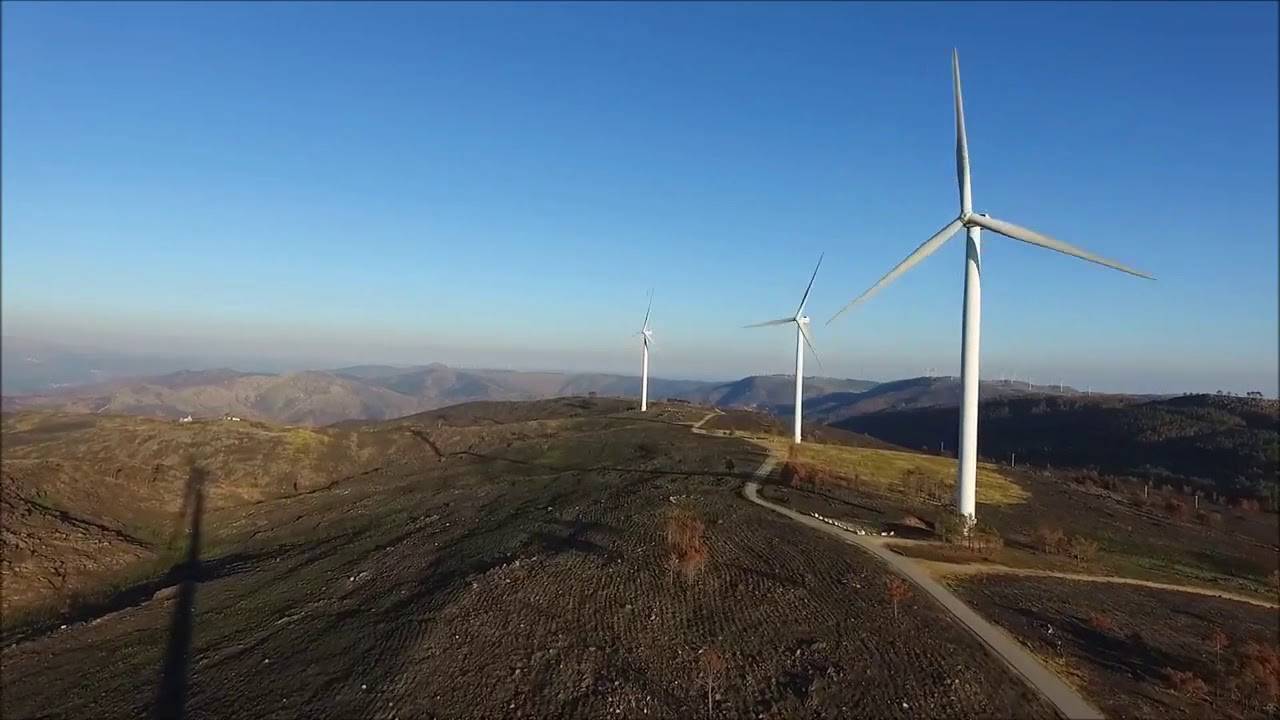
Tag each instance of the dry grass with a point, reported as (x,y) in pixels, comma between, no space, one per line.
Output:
(892,471)
(686,546)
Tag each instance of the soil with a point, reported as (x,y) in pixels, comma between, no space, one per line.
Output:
(509,563)
(1122,667)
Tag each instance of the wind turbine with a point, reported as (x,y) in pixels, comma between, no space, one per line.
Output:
(646,336)
(802,338)
(974,223)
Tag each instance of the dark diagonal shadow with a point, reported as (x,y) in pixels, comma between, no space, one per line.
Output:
(171,697)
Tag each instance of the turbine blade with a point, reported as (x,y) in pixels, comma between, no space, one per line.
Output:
(646,310)
(808,340)
(803,300)
(780,321)
(1018,232)
(920,253)
(962,140)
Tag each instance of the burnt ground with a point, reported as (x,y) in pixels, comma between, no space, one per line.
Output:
(511,566)
(1121,666)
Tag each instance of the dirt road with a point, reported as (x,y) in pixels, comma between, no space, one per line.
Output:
(1065,699)
(962,569)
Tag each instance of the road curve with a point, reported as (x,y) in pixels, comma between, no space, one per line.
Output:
(1069,703)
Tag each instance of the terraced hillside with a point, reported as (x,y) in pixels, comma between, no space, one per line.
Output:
(567,558)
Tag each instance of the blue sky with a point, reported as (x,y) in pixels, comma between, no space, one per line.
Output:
(499,185)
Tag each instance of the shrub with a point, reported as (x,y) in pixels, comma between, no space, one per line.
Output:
(686,547)
(729,465)
(1050,540)
(1101,622)
(983,538)
(949,527)
(1176,508)
(1256,681)
(792,474)
(1082,549)
(1247,505)
(1209,518)
(1185,683)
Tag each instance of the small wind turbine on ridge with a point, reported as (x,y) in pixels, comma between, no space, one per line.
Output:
(802,338)
(974,223)
(646,335)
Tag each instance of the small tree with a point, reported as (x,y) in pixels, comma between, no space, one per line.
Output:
(713,666)
(1050,540)
(1082,549)
(897,590)
(1218,640)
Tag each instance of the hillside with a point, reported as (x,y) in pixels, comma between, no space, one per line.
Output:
(1221,443)
(497,560)
(914,393)
(86,495)
(767,392)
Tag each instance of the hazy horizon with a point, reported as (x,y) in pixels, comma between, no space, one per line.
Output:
(501,185)
(169,357)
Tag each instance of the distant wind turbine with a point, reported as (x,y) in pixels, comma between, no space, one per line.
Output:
(646,336)
(974,223)
(802,338)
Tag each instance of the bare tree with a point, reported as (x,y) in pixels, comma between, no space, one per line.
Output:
(713,666)
(898,590)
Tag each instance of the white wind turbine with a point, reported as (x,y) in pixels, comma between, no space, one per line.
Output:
(974,223)
(646,336)
(802,338)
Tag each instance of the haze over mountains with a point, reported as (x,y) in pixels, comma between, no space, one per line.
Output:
(379,392)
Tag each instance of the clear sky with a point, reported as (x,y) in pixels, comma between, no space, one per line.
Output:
(500,185)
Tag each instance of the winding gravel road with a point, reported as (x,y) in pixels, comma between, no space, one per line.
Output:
(1069,703)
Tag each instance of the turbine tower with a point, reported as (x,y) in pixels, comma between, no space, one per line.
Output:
(802,338)
(974,223)
(646,337)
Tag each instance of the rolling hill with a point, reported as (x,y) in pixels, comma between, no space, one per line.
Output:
(1215,443)
(378,392)
(495,560)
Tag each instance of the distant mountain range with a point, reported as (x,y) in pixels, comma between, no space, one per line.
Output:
(379,392)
